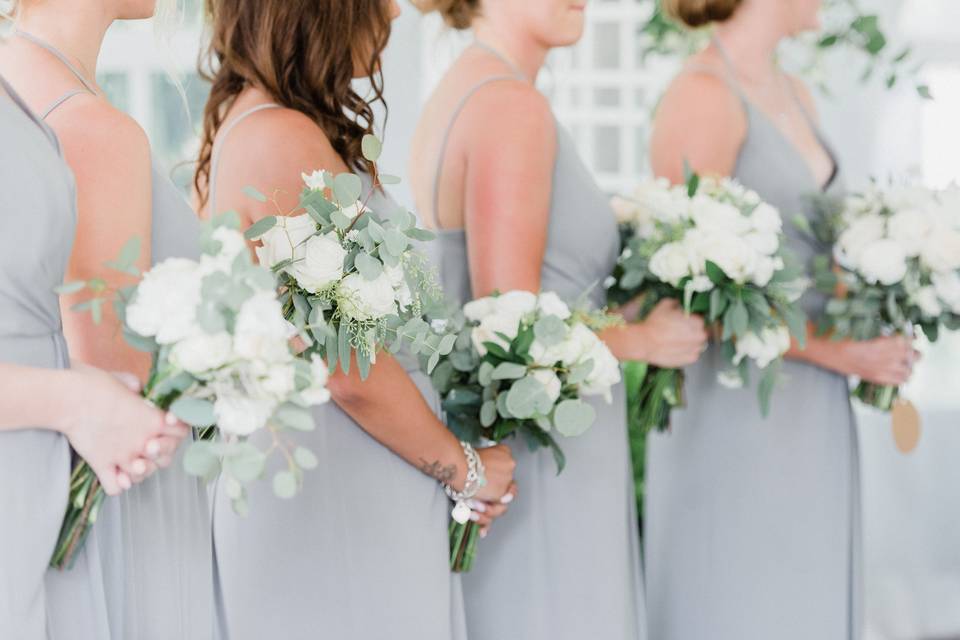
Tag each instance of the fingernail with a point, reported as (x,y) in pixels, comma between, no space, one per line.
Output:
(153,449)
(476,505)
(475,516)
(124,481)
(170,419)
(483,533)
(139,467)
(507,499)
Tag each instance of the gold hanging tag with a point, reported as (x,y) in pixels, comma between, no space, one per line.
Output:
(906,425)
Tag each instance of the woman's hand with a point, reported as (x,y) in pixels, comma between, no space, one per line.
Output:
(668,337)
(121,436)
(885,361)
(499,465)
(484,513)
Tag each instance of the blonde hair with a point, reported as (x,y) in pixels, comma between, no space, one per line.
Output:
(699,13)
(459,14)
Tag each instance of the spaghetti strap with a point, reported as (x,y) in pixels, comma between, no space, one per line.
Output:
(218,147)
(43,44)
(444,142)
(59,101)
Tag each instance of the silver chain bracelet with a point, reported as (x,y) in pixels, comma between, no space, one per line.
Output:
(476,480)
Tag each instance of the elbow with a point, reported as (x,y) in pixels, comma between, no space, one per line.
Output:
(348,391)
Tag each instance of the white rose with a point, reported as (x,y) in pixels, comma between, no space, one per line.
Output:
(232,244)
(605,373)
(166,301)
(947,286)
(762,242)
(910,228)
(202,352)
(551,383)
(477,310)
(261,333)
(274,380)
(505,323)
(241,415)
(764,348)
(883,261)
(926,298)
(321,263)
(941,250)
(671,263)
(516,302)
(285,241)
(764,269)
(710,215)
(316,180)
(363,299)
(731,253)
(862,232)
(317,392)
(766,219)
(551,304)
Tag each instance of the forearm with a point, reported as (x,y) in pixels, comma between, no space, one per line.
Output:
(626,342)
(821,351)
(389,406)
(32,397)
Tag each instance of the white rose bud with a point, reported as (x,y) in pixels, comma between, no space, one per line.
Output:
(241,415)
(671,263)
(363,299)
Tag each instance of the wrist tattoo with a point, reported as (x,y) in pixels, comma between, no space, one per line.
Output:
(437,471)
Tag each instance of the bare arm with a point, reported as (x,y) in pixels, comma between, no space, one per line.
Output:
(388,405)
(110,157)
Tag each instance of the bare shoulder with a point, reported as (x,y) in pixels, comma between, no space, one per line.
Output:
(701,121)
(510,110)
(93,129)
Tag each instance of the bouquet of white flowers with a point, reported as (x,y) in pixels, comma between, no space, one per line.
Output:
(221,362)
(717,247)
(895,267)
(351,281)
(521,365)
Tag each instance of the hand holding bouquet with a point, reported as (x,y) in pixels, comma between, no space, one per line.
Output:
(717,248)
(895,267)
(521,366)
(221,356)
(351,281)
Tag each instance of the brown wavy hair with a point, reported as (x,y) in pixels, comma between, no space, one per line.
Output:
(698,13)
(303,53)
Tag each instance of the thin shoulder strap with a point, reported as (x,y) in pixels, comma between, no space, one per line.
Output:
(88,86)
(18,101)
(445,140)
(216,153)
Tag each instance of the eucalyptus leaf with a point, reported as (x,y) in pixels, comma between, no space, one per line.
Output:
(260,227)
(253,192)
(244,462)
(509,371)
(201,459)
(347,188)
(194,411)
(368,266)
(305,458)
(574,417)
(371,147)
(285,485)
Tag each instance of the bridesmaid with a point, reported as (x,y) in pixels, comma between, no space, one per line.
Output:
(518,210)
(362,552)
(116,431)
(753,525)
(147,571)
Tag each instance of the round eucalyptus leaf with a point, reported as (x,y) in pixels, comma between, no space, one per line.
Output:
(574,417)
(285,484)
(305,458)
(244,462)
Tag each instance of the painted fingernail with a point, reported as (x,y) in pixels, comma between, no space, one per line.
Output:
(170,419)
(483,533)
(475,516)
(476,505)
(152,449)
(139,467)
(124,481)
(506,499)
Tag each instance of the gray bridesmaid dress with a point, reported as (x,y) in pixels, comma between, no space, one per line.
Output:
(38,210)
(146,573)
(564,562)
(752,524)
(359,554)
